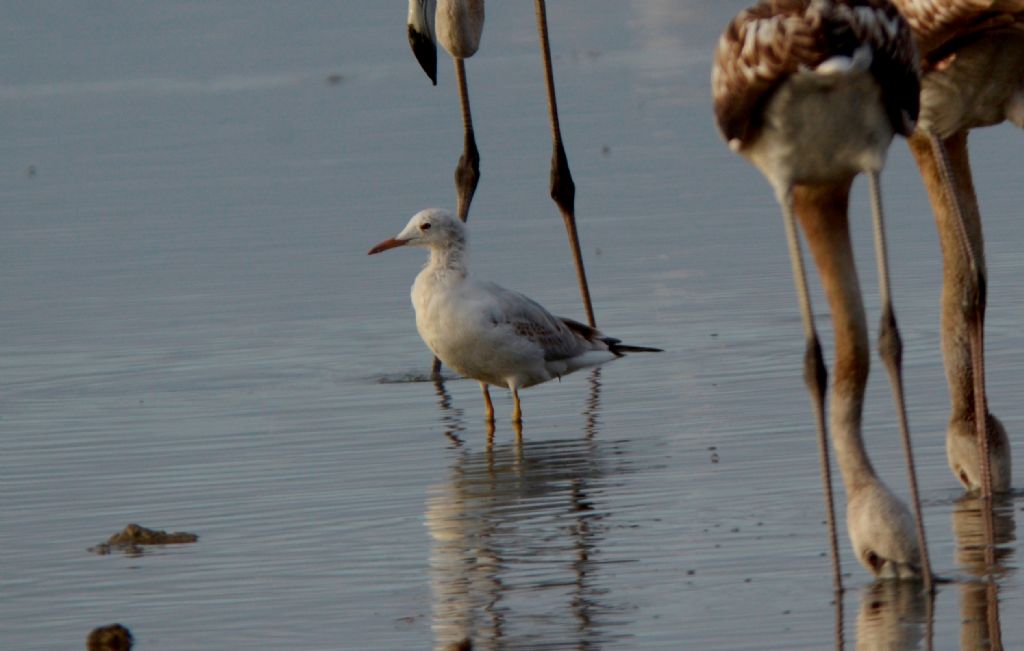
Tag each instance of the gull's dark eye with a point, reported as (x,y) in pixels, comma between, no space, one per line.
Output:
(425,226)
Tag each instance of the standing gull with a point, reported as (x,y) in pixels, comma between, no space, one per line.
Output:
(484,331)
(812,93)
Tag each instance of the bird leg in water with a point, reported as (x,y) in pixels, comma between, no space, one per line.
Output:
(815,373)
(890,349)
(976,303)
(517,412)
(488,406)
(467,172)
(563,190)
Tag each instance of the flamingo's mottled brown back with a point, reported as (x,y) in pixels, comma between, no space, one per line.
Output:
(941,26)
(767,43)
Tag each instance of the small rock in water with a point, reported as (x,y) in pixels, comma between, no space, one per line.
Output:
(133,537)
(113,637)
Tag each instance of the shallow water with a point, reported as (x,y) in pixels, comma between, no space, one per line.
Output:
(194,339)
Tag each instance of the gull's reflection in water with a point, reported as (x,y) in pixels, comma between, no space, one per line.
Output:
(979,600)
(517,532)
(893,615)
(451,417)
(590,414)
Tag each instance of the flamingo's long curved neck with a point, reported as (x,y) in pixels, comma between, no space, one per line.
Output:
(822,211)
(959,372)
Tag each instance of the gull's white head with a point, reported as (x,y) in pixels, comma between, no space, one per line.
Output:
(433,227)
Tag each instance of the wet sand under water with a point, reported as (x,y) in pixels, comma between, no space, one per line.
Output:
(194,339)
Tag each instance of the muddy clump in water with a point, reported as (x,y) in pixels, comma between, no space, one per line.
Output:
(413,377)
(135,537)
(113,637)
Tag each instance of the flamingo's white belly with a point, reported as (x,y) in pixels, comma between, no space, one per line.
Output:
(821,127)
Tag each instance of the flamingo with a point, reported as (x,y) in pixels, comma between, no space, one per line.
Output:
(973,76)
(812,92)
(484,331)
(457,24)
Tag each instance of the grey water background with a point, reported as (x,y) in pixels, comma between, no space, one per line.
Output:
(193,338)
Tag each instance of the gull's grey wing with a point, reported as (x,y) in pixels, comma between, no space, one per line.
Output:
(528,319)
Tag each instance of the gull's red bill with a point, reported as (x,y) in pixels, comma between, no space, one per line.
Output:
(387,244)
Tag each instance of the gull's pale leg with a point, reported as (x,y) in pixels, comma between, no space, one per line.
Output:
(517,412)
(488,406)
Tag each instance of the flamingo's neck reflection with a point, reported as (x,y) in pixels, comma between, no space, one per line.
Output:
(982,549)
(894,615)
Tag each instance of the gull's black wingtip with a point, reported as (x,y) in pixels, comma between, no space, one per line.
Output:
(636,349)
(620,349)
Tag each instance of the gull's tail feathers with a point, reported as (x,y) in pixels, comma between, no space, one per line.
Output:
(620,349)
(615,346)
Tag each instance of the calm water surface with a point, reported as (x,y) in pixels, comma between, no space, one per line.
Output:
(193,338)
